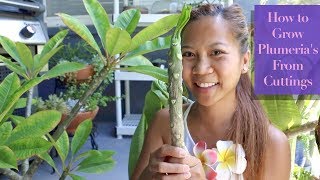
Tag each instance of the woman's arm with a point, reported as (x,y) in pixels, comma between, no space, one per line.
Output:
(153,141)
(278,158)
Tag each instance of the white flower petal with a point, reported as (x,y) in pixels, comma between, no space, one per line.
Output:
(223,172)
(223,145)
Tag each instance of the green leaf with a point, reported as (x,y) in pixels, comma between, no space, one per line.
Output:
(153,71)
(22,102)
(154,30)
(13,66)
(7,87)
(117,41)
(7,158)
(25,56)
(62,146)
(76,177)
(45,156)
(80,29)
(63,68)
(18,93)
(99,18)
(136,61)
(80,136)
(156,44)
(10,47)
(53,43)
(5,132)
(39,124)
(42,61)
(28,147)
(128,20)
(282,111)
(17,119)
(97,162)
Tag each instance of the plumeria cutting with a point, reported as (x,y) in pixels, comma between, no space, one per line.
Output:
(227,161)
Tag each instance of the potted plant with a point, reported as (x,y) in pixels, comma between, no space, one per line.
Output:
(79,52)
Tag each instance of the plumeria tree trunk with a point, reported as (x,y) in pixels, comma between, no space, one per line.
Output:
(175,82)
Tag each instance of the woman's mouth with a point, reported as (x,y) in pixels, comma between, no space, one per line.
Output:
(206,84)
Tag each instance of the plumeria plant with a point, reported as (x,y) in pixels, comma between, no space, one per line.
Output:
(227,161)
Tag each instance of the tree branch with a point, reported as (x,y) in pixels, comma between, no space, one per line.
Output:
(310,126)
(10,173)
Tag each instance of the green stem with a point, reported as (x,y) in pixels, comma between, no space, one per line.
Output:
(25,163)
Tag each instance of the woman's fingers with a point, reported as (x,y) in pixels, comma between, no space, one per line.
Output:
(189,160)
(165,167)
(168,150)
(164,176)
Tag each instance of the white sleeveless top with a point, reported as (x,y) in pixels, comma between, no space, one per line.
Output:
(188,141)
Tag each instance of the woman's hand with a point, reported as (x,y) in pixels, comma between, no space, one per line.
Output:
(169,162)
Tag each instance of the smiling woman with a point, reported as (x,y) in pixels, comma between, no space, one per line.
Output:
(215,64)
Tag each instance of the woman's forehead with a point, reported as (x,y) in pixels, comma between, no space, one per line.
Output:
(208,30)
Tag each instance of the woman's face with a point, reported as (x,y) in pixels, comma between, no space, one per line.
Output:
(212,63)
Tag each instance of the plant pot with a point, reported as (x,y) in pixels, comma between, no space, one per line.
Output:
(80,117)
(80,76)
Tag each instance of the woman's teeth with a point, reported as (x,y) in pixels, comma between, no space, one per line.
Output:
(204,85)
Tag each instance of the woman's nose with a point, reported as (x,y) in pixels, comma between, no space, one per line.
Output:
(203,66)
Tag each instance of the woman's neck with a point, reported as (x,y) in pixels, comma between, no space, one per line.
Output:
(216,118)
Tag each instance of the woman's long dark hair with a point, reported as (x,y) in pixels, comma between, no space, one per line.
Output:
(249,123)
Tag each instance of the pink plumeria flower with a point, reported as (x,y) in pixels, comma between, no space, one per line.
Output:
(208,158)
(231,160)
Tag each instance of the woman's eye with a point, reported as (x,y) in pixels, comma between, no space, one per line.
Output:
(216,52)
(187,54)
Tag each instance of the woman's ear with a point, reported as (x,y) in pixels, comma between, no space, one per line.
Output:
(246,62)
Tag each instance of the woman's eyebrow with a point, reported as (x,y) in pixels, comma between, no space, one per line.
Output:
(186,46)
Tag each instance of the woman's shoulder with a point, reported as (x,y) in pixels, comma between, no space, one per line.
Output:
(276,137)
(277,162)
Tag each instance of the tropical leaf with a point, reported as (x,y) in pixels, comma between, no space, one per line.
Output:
(13,66)
(7,158)
(117,41)
(5,132)
(154,30)
(81,135)
(80,29)
(53,43)
(153,71)
(76,177)
(25,56)
(136,61)
(45,156)
(282,111)
(62,68)
(128,20)
(10,47)
(22,102)
(97,162)
(17,119)
(7,87)
(28,147)
(39,124)
(99,18)
(156,44)
(62,146)
(18,93)
(42,61)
